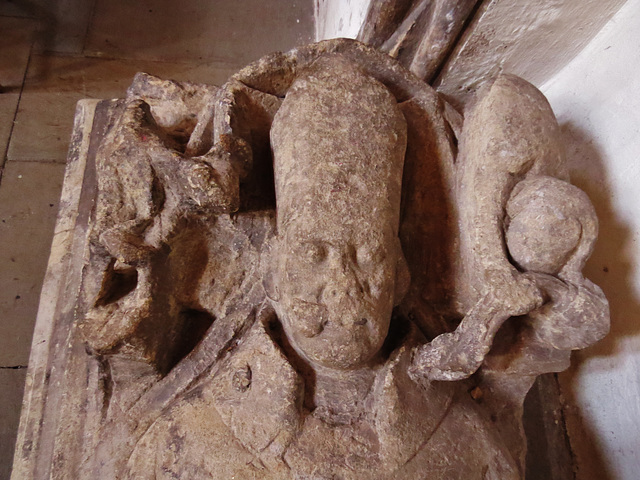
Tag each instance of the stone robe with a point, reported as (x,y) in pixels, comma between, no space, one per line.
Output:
(247,420)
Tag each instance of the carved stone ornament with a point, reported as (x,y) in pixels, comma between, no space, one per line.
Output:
(321,270)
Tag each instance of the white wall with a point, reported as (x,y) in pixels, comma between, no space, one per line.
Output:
(596,98)
(533,39)
(339,18)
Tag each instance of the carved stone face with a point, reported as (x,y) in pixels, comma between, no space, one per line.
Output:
(336,286)
(339,140)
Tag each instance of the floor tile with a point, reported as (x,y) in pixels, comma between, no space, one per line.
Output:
(199,29)
(15,45)
(42,128)
(54,85)
(12,387)
(29,194)
(8,104)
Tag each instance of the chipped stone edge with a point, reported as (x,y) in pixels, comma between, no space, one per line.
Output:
(32,422)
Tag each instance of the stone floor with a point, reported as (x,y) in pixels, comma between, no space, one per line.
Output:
(53,53)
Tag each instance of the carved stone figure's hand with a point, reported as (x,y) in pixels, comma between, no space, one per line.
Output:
(576,315)
(123,303)
(512,292)
(124,244)
(450,356)
(214,179)
(457,355)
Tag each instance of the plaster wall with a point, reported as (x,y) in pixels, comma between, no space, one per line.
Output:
(530,38)
(596,100)
(339,18)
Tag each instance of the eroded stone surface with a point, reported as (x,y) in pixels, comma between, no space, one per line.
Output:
(419,33)
(320,270)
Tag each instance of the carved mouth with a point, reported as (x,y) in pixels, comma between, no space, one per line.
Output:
(309,318)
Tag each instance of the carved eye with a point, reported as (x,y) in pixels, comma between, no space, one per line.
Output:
(314,252)
(367,256)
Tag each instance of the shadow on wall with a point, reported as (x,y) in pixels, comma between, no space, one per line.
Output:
(610,267)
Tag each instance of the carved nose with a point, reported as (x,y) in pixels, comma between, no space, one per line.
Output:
(342,293)
(343,300)
(343,283)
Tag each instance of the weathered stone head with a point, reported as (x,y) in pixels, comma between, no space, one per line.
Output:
(337,268)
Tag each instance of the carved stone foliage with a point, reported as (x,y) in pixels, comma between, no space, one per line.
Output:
(321,270)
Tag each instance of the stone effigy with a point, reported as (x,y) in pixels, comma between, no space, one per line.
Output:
(321,270)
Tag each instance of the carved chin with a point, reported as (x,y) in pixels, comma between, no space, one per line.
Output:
(339,353)
(336,344)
